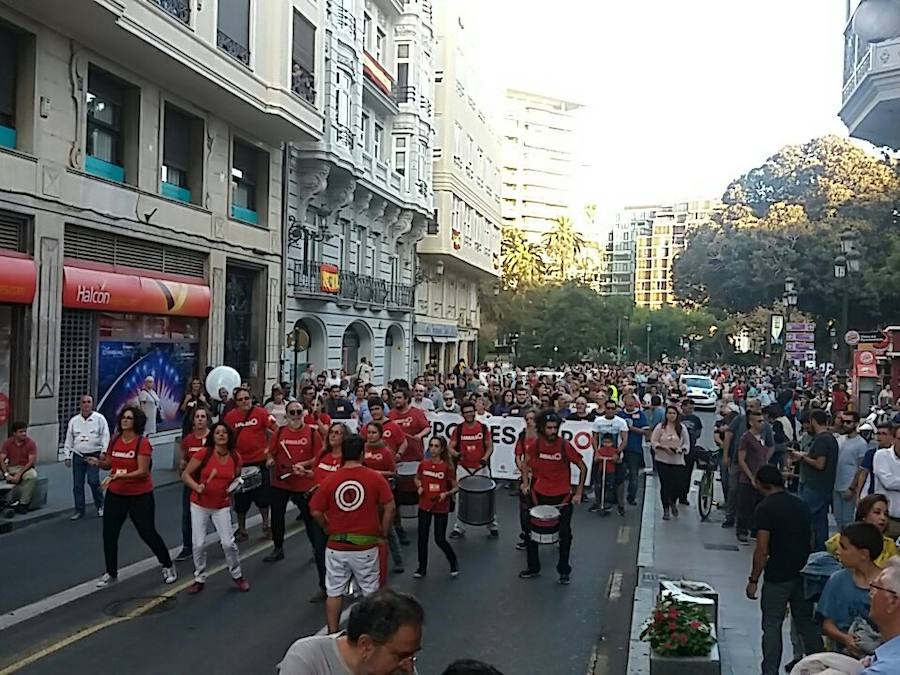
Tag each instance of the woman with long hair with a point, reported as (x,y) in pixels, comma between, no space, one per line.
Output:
(208,475)
(192,443)
(129,493)
(436,483)
(318,418)
(872,509)
(670,442)
(502,407)
(360,404)
(194,397)
(277,406)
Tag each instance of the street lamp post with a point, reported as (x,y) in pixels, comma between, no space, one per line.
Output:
(790,301)
(649,330)
(845,266)
(619,321)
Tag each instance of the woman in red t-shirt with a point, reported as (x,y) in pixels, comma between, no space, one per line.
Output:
(520,451)
(208,474)
(380,457)
(129,492)
(436,482)
(192,443)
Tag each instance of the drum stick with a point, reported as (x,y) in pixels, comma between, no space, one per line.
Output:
(212,474)
(286,451)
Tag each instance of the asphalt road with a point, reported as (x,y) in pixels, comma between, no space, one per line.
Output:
(141,626)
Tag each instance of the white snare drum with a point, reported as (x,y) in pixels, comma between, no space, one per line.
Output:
(250,479)
(544,522)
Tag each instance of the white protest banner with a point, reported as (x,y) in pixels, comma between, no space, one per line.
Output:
(504,434)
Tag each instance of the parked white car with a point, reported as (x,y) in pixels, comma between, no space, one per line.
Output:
(701,389)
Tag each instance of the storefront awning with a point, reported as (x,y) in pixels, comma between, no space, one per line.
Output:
(426,339)
(18,279)
(113,292)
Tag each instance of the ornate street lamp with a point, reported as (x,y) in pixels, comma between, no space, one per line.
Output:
(840,267)
(877,20)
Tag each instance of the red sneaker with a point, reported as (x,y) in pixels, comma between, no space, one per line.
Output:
(242,585)
(194,588)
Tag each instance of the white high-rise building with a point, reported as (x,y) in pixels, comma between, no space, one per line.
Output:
(360,198)
(540,166)
(460,258)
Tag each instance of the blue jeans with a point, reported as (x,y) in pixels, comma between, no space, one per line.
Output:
(844,510)
(81,470)
(634,462)
(818,505)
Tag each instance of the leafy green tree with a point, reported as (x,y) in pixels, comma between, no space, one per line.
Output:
(562,245)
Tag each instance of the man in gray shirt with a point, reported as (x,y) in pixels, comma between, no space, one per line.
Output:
(818,468)
(383,636)
(848,479)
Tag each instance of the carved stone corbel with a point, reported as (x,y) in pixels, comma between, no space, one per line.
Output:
(78,73)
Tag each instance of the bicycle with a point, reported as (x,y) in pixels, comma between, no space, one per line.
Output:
(708,462)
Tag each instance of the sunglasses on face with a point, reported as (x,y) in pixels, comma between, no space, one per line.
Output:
(243,398)
(295,412)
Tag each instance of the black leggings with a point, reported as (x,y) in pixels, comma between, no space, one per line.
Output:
(140,508)
(670,482)
(280,498)
(440,538)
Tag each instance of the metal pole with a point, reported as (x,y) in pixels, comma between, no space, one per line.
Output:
(648,347)
(845,357)
(618,339)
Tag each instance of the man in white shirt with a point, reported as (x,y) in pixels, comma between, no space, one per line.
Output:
(364,371)
(148,399)
(419,400)
(86,436)
(609,423)
(886,467)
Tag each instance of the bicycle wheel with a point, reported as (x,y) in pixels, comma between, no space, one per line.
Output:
(705,494)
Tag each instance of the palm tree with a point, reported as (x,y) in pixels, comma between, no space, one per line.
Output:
(562,244)
(523,264)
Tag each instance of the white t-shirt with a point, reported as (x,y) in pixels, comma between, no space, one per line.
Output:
(149,402)
(425,404)
(615,426)
(315,655)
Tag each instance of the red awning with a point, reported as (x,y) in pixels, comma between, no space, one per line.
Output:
(110,291)
(18,279)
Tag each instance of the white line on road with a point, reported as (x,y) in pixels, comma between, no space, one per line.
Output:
(614,587)
(48,604)
(624,535)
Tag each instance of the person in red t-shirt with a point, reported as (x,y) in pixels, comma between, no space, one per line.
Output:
(547,476)
(380,457)
(356,507)
(393,434)
(523,444)
(129,492)
(191,444)
(18,455)
(208,474)
(436,482)
(471,448)
(251,424)
(414,424)
(292,453)
(317,417)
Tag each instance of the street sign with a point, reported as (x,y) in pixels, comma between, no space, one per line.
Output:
(801,337)
(801,327)
(877,338)
(851,337)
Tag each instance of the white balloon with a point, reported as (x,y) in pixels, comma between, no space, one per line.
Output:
(222,376)
(877,20)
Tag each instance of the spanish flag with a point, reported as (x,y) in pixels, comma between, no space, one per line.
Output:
(330,279)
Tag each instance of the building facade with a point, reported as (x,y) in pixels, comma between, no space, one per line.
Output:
(460,257)
(540,138)
(360,198)
(871,91)
(141,191)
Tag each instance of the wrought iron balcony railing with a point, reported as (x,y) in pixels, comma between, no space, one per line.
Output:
(180,9)
(233,48)
(307,283)
(344,135)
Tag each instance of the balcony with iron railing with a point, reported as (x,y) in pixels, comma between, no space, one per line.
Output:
(341,18)
(405,94)
(344,135)
(180,9)
(232,47)
(358,288)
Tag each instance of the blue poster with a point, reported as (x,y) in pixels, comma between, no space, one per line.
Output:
(122,367)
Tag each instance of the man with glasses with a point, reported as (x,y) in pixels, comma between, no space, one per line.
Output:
(850,476)
(251,425)
(449,404)
(784,524)
(886,467)
(420,400)
(884,612)
(546,476)
(86,437)
(471,447)
(383,636)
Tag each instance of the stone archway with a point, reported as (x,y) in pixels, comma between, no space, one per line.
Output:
(355,344)
(316,354)
(394,354)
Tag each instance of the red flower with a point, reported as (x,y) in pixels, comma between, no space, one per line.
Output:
(658,616)
(673,613)
(694,624)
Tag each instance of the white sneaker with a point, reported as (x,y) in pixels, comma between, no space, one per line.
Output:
(170,576)
(100,512)
(106,580)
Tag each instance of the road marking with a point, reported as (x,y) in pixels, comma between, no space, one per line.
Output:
(170,593)
(624,534)
(48,604)
(613,587)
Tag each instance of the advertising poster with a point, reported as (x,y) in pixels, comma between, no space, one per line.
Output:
(122,367)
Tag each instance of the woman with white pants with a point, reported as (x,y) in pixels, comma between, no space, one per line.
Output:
(208,475)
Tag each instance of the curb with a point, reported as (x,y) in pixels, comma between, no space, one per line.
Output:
(644,596)
(43,515)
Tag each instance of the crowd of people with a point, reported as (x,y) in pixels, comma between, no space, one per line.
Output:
(791,447)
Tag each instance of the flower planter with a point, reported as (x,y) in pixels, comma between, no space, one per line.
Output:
(696,592)
(686,665)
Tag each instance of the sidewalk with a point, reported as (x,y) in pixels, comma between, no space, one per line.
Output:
(687,548)
(59,493)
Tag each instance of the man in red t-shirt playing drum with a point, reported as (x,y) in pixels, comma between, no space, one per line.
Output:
(471,448)
(355,506)
(546,476)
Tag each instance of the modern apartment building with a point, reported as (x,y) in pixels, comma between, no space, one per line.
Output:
(360,197)
(540,137)
(657,242)
(871,93)
(460,258)
(141,188)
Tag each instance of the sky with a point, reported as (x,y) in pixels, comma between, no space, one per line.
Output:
(681,97)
